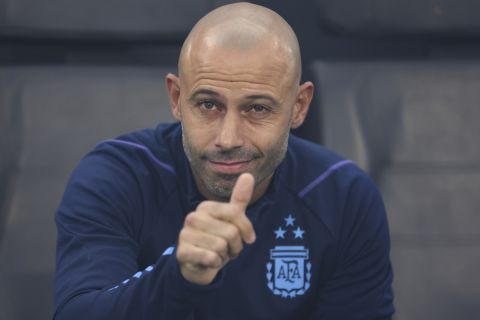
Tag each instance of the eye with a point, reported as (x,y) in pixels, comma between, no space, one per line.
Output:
(258,108)
(207,105)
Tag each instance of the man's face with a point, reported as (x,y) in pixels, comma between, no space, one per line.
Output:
(236,112)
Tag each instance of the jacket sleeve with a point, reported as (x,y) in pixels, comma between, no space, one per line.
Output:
(361,285)
(98,244)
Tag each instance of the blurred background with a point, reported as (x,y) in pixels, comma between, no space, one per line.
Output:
(397,90)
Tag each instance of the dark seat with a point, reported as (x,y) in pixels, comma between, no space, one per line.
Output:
(65,112)
(414,127)
(411,120)
(9,149)
(90,18)
(387,18)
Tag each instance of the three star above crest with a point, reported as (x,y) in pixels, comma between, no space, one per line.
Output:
(289,220)
(298,233)
(280,233)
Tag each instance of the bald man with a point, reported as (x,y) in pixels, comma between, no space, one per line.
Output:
(225,214)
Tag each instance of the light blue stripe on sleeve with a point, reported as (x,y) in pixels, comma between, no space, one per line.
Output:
(149,268)
(168,251)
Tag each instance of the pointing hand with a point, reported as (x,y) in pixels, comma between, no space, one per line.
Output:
(214,233)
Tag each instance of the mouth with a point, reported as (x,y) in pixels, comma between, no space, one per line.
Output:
(230,167)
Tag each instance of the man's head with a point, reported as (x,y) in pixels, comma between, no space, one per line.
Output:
(237,96)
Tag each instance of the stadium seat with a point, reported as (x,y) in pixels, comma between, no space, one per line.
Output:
(100,19)
(64,111)
(414,127)
(411,121)
(9,149)
(387,18)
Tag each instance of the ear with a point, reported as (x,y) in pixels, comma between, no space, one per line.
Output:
(304,97)
(173,88)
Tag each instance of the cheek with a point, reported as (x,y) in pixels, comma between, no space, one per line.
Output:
(268,139)
(197,134)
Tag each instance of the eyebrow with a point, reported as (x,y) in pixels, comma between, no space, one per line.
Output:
(195,93)
(202,91)
(272,100)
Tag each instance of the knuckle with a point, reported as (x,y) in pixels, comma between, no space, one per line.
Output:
(235,249)
(238,248)
(220,246)
(183,235)
(182,254)
(231,233)
(205,205)
(211,260)
(190,218)
(193,219)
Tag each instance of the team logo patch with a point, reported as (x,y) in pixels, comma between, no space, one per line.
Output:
(289,271)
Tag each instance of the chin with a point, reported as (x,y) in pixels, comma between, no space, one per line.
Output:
(222,190)
(221,195)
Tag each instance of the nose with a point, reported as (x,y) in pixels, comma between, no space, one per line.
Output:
(230,132)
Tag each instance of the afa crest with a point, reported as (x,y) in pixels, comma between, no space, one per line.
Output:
(289,271)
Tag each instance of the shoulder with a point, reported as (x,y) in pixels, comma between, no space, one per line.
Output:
(147,145)
(148,150)
(137,161)
(311,166)
(119,177)
(331,187)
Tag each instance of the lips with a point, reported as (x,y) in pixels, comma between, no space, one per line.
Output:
(236,167)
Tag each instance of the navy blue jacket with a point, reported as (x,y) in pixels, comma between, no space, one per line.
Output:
(322,248)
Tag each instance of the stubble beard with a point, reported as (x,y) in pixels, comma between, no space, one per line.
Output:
(219,186)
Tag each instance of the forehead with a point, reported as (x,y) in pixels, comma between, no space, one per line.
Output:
(263,66)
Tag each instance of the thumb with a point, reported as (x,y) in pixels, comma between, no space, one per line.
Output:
(242,191)
(241,196)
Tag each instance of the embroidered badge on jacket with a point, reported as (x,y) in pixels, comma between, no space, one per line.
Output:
(289,271)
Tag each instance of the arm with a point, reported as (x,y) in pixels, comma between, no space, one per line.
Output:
(361,286)
(98,277)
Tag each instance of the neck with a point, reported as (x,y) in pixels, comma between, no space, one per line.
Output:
(261,188)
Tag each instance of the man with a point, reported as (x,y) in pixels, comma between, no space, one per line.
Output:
(225,215)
